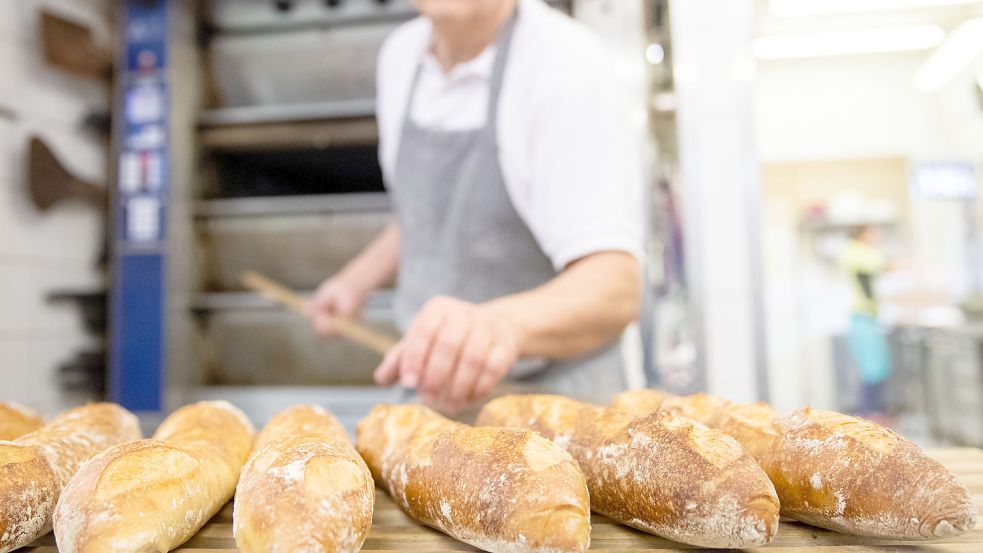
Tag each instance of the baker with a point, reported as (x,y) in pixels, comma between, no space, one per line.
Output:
(516,185)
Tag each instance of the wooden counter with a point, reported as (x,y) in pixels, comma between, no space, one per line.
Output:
(393,531)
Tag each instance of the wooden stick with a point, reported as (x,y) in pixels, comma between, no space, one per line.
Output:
(356,332)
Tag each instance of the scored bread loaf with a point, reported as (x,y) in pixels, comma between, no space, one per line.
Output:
(840,472)
(854,476)
(17,420)
(663,473)
(153,495)
(754,425)
(35,468)
(304,489)
(498,489)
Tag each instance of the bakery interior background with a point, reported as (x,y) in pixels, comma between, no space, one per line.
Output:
(797,151)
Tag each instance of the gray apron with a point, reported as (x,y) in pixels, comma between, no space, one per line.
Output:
(460,236)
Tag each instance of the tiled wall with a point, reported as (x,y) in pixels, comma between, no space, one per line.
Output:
(44,251)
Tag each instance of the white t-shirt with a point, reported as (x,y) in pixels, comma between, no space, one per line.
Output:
(571,161)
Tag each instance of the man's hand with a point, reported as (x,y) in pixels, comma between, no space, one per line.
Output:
(336,297)
(344,294)
(453,353)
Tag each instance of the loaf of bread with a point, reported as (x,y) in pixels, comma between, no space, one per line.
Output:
(640,402)
(854,476)
(17,420)
(498,489)
(754,426)
(152,495)
(663,473)
(841,472)
(35,468)
(305,488)
(703,408)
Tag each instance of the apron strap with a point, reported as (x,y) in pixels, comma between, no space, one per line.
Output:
(407,117)
(498,70)
(497,76)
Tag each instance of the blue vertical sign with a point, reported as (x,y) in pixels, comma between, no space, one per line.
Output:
(137,347)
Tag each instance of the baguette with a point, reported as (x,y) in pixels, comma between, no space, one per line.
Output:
(841,472)
(305,488)
(17,420)
(700,407)
(640,402)
(152,495)
(35,468)
(662,473)
(498,489)
(857,477)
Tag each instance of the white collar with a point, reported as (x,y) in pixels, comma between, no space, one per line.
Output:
(479,67)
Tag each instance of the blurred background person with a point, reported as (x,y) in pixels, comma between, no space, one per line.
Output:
(864,260)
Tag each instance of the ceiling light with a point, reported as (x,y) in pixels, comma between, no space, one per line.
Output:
(845,43)
(962,47)
(799,8)
(655,53)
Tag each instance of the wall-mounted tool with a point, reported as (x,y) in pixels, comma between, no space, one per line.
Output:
(71,46)
(49,182)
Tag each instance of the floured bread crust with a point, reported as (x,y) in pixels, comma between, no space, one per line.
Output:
(700,407)
(640,402)
(153,495)
(305,489)
(35,468)
(663,473)
(302,420)
(703,408)
(854,476)
(17,420)
(754,426)
(501,490)
(836,471)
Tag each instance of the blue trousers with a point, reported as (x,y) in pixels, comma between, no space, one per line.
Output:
(869,348)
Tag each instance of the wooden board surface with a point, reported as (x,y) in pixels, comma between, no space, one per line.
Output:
(394,531)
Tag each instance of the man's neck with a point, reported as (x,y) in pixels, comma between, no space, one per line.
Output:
(458,42)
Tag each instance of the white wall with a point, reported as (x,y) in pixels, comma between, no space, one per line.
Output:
(838,107)
(856,107)
(39,252)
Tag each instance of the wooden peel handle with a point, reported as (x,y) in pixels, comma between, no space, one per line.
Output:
(276,292)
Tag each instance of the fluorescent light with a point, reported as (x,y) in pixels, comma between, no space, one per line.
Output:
(845,43)
(799,8)
(962,47)
(655,53)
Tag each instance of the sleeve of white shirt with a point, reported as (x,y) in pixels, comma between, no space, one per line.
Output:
(585,193)
(396,65)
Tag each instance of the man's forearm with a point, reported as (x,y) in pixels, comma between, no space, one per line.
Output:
(586,306)
(377,263)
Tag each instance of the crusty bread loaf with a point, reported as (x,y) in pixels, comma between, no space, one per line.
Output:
(304,489)
(35,468)
(498,489)
(700,407)
(754,425)
(662,473)
(152,495)
(17,420)
(840,472)
(854,476)
(640,402)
